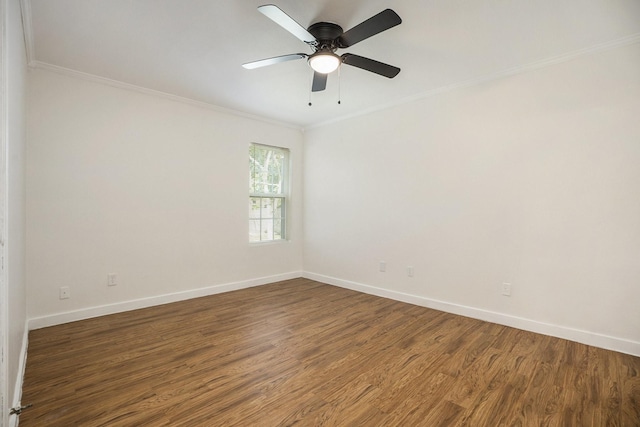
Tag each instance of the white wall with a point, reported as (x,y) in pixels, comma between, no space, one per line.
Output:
(153,190)
(15,227)
(532,180)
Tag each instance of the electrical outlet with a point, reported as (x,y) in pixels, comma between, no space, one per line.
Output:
(383,266)
(112,279)
(506,289)
(65,292)
(410,271)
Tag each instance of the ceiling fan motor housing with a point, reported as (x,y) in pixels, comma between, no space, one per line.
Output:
(327,35)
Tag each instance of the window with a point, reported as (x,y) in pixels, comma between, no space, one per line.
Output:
(267,193)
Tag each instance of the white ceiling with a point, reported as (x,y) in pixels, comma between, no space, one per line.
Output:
(194,48)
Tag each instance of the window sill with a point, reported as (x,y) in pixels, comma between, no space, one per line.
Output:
(269,242)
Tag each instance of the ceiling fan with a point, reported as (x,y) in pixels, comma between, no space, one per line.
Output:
(325,38)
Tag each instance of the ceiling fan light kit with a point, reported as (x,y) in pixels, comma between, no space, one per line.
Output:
(324,62)
(325,38)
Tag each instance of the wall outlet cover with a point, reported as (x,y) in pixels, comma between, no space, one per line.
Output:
(65,292)
(506,289)
(112,279)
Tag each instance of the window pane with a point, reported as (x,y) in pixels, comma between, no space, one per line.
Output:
(266,229)
(254,230)
(277,229)
(254,207)
(278,206)
(267,207)
(266,170)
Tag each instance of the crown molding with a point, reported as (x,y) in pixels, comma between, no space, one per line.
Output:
(609,45)
(152,92)
(27,26)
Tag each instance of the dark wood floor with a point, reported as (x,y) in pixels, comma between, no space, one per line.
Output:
(305,353)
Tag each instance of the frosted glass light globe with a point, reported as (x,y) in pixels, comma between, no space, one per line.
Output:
(324,63)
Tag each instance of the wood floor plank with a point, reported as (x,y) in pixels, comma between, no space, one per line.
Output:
(300,352)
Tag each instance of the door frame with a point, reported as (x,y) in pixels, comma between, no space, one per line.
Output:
(4,290)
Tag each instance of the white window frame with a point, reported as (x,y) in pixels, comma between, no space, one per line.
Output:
(266,235)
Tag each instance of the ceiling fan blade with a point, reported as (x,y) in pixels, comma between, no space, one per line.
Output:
(319,82)
(372,26)
(276,14)
(370,65)
(274,60)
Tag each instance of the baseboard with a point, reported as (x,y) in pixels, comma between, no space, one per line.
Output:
(103,310)
(577,335)
(22,365)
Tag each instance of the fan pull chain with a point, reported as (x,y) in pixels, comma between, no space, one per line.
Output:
(339,85)
(311,90)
